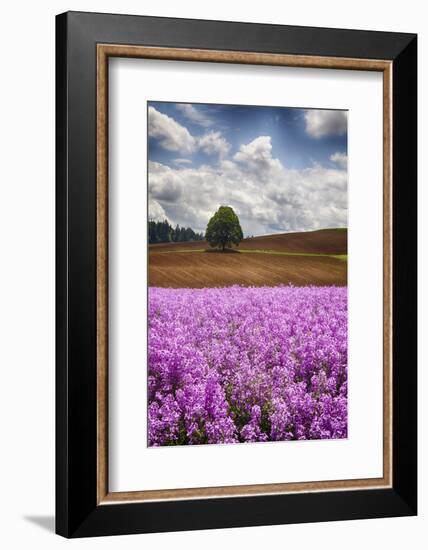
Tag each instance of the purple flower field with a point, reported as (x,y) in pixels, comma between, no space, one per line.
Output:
(245,364)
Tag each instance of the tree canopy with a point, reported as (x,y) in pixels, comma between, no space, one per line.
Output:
(224,229)
(163,232)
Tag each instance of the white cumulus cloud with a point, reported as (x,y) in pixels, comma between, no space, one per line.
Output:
(194,115)
(256,156)
(325,123)
(170,133)
(179,162)
(212,143)
(156,212)
(341,159)
(175,137)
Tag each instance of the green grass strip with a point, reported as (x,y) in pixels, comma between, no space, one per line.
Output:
(342,257)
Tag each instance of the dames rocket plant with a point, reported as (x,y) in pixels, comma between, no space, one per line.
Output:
(247,364)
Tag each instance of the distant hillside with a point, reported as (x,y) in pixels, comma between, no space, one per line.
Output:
(323,241)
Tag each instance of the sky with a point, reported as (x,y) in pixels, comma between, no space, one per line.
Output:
(281,169)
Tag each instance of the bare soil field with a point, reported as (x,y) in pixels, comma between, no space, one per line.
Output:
(324,241)
(179,265)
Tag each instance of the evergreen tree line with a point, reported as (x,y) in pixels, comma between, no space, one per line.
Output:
(163,232)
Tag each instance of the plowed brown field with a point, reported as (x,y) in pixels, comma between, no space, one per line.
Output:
(170,265)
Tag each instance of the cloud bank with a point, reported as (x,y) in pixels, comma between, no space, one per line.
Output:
(267,196)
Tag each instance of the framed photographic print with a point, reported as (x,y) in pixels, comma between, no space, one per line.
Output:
(236,274)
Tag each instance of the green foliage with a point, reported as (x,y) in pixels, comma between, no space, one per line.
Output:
(224,229)
(163,232)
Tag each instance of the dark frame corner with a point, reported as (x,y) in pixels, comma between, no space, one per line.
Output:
(78,513)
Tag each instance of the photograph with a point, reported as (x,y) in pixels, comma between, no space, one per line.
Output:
(247,273)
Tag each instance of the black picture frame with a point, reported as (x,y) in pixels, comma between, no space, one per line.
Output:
(77,511)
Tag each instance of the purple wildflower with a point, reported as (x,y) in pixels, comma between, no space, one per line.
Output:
(239,364)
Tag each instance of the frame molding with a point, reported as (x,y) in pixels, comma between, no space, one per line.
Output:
(85,507)
(106,51)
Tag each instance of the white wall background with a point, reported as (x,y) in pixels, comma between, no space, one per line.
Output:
(27,272)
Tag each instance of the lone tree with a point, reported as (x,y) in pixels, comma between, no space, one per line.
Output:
(224,229)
